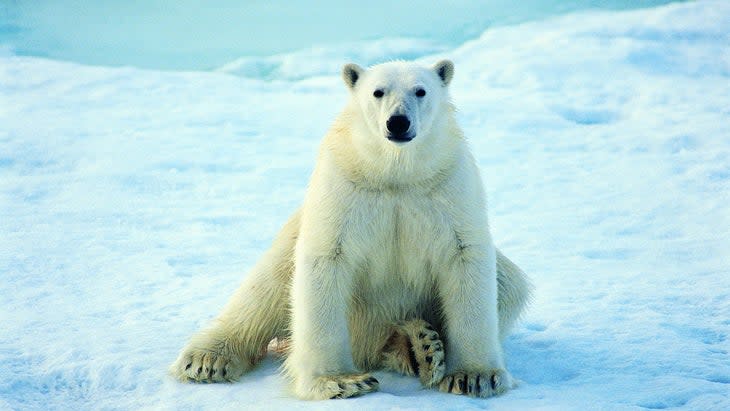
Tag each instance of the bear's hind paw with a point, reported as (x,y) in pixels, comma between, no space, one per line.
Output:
(206,366)
(344,386)
(428,350)
(415,348)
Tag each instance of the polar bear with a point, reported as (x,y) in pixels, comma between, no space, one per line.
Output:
(388,264)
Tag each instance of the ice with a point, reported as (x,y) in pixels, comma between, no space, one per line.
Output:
(132,202)
(195,35)
(317,61)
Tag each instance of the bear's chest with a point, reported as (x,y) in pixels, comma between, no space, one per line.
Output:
(400,237)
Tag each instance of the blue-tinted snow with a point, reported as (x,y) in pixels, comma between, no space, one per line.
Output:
(132,203)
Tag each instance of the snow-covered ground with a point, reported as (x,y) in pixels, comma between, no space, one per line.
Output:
(132,203)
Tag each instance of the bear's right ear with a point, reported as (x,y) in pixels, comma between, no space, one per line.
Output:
(445,70)
(351,73)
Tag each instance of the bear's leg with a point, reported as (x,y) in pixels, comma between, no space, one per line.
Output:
(415,348)
(320,362)
(401,352)
(513,293)
(469,297)
(257,313)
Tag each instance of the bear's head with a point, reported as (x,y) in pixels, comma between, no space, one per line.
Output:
(400,102)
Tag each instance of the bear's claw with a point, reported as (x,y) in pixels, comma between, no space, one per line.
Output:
(429,352)
(346,386)
(415,348)
(480,384)
(206,366)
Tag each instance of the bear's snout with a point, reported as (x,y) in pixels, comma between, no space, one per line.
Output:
(398,126)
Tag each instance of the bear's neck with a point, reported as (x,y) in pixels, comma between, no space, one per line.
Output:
(380,165)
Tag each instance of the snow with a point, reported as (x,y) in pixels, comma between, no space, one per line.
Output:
(133,201)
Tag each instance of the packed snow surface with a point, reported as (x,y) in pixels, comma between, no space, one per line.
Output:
(132,203)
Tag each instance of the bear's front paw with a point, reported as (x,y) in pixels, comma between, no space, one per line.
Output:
(342,386)
(205,365)
(477,384)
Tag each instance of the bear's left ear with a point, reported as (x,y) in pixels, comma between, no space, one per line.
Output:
(445,70)
(351,73)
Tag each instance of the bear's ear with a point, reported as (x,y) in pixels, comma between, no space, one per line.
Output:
(351,73)
(445,70)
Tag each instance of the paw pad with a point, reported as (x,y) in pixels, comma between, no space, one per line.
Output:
(427,349)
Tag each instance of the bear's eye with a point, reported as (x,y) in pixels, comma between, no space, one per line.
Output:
(378,93)
(420,92)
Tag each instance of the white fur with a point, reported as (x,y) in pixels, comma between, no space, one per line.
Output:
(388,232)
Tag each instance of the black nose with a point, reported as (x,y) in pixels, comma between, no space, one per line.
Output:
(398,125)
